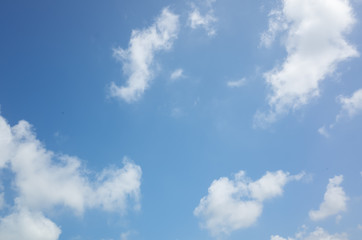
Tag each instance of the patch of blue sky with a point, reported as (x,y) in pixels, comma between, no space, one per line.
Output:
(188,133)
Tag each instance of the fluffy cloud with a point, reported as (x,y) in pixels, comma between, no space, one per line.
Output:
(43,180)
(318,234)
(315,44)
(207,21)
(23,224)
(334,200)
(351,106)
(237,203)
(138,58)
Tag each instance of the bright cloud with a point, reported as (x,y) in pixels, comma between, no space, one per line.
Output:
(207,21)
(237,83)
(318,234)
(43,180)
(335,200)
(315,44)
(138,58)
(237,203)
(23,224)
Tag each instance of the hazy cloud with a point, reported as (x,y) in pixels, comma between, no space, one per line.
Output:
(206,21)
(178,73)
(318,234)
(237,83)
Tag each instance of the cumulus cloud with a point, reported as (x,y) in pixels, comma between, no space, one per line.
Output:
(43,180)
(318,234)
(315,44)
(237,203)
(335,200)
(237,83)
(138,58)
(23,224)
(207,21)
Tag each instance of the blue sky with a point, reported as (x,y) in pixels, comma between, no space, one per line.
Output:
(201,119)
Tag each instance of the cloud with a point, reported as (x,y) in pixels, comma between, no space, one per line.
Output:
(43,180)
(318,234)
(351,106)
(206,21)
(237,83)
(315,44)
(178,73)
(138,58)
(334,200)
(23,224)
(323,131)
(237,203)
(2,201)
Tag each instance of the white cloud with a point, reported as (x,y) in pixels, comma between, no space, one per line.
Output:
(334,200)
(237,203)
(206,21)
(237,83)
(23,224)
(351,106)
(43,179)
(315,44)
(178,73)
(277,23)
(139,57)
(318,234)
(323,131)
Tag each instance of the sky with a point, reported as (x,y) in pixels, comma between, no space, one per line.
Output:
(172,120)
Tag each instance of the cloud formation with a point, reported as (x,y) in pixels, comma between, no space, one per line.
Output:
(43,180)
(315,44)
(237,203)
(138,58)
(335,200)
(206,21)
(318,234)
(351,106)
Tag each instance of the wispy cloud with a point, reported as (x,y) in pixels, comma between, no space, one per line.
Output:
(237,203)
(178,73)
(350,107)
(335,200)
(237,83)
(206,21)
(318,234)
(138,58)
(315,44)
